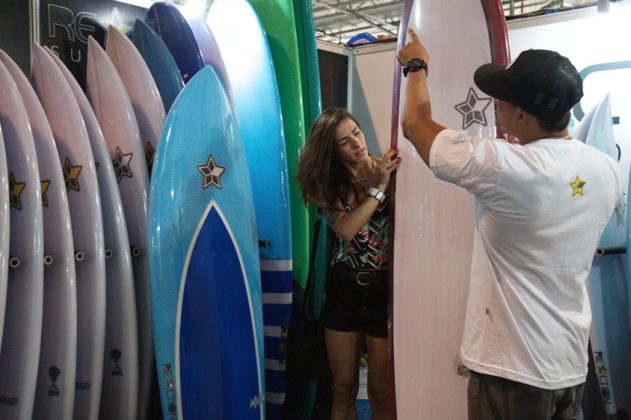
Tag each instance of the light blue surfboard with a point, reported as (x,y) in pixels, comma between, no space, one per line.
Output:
(205,272)
(160,62)
(257,104)
(610,336)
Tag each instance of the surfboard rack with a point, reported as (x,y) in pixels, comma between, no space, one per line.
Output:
(611,251)
(14,262)
(265,244)
(79,256)
(135,251)
(108,253)
(48,260)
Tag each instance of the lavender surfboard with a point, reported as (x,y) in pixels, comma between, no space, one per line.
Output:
(82,188)
(142,90)
(57,363)
(21,337)
(119,395)
(115,113)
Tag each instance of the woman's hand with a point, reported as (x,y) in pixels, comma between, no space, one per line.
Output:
(386,166)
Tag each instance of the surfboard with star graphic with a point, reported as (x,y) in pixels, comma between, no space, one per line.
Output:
(205,271)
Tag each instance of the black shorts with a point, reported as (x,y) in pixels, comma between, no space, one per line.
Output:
(354,303)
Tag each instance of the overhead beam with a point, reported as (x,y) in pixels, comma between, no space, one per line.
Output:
(362,16)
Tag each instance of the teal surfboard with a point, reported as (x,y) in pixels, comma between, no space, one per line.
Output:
(278,21)
(610,336)
(160,62)
(205,271)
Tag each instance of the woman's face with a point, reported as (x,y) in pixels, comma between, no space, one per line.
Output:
(350,144)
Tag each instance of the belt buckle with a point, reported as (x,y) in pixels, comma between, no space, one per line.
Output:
(367,274)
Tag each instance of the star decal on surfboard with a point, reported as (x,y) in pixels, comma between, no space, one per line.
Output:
(577,186)
(256,401)
(472,109)
(71,175)
(150,156)
(121,164)
(43,186)
(620,211)
(211,172)
(15,189)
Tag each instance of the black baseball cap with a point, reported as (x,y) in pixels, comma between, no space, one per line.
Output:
(542,82)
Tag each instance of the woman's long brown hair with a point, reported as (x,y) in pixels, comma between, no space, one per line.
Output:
(323,179)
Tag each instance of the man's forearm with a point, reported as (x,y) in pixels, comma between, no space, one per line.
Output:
(417,123)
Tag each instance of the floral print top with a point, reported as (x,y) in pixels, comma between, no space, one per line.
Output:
(368,250)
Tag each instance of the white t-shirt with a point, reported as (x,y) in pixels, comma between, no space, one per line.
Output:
(541,209)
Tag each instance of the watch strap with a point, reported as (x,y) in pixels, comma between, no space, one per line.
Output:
(374,192)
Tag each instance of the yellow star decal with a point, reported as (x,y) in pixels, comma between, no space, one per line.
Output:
(577,186)
(43,185)
(15,189)
(71,175)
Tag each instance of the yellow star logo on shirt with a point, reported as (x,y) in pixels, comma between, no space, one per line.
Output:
(577,186)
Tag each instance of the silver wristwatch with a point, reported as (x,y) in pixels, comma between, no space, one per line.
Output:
(374,192)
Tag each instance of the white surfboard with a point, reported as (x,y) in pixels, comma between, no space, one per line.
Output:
(25,287)
(82,188)
(119,395)
(116,117)
(57,361)
(141,87)
(435,222)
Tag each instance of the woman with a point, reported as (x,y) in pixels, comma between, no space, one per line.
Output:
(337,173)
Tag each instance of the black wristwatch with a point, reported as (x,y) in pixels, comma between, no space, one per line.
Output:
(413,65)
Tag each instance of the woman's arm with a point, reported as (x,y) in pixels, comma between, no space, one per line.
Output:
(346,224)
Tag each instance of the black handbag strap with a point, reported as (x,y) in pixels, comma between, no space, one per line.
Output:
(314,249)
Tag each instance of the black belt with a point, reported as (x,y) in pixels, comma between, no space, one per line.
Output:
(362,278)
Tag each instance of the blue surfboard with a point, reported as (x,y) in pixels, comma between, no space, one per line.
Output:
(610,336)
(160,62)
(205,272)
(167,20)
(257,103)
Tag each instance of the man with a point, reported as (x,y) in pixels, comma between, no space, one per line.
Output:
(543,204)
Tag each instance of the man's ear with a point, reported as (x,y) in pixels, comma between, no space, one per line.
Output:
(523,116)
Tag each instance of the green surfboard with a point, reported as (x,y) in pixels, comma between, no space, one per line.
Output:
(277,17)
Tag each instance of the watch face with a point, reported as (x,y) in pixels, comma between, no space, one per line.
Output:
(415,64)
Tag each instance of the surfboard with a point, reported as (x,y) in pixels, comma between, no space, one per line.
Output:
(54,397)
(279,24)
(257,105)
(21,337)
(208,48)
(435,220)
(160,62)
(582,128)
(119,395)
(115,114)
(610,337)
(205,271)
(167,20)
(141,88)
(84,201)
(5,231)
